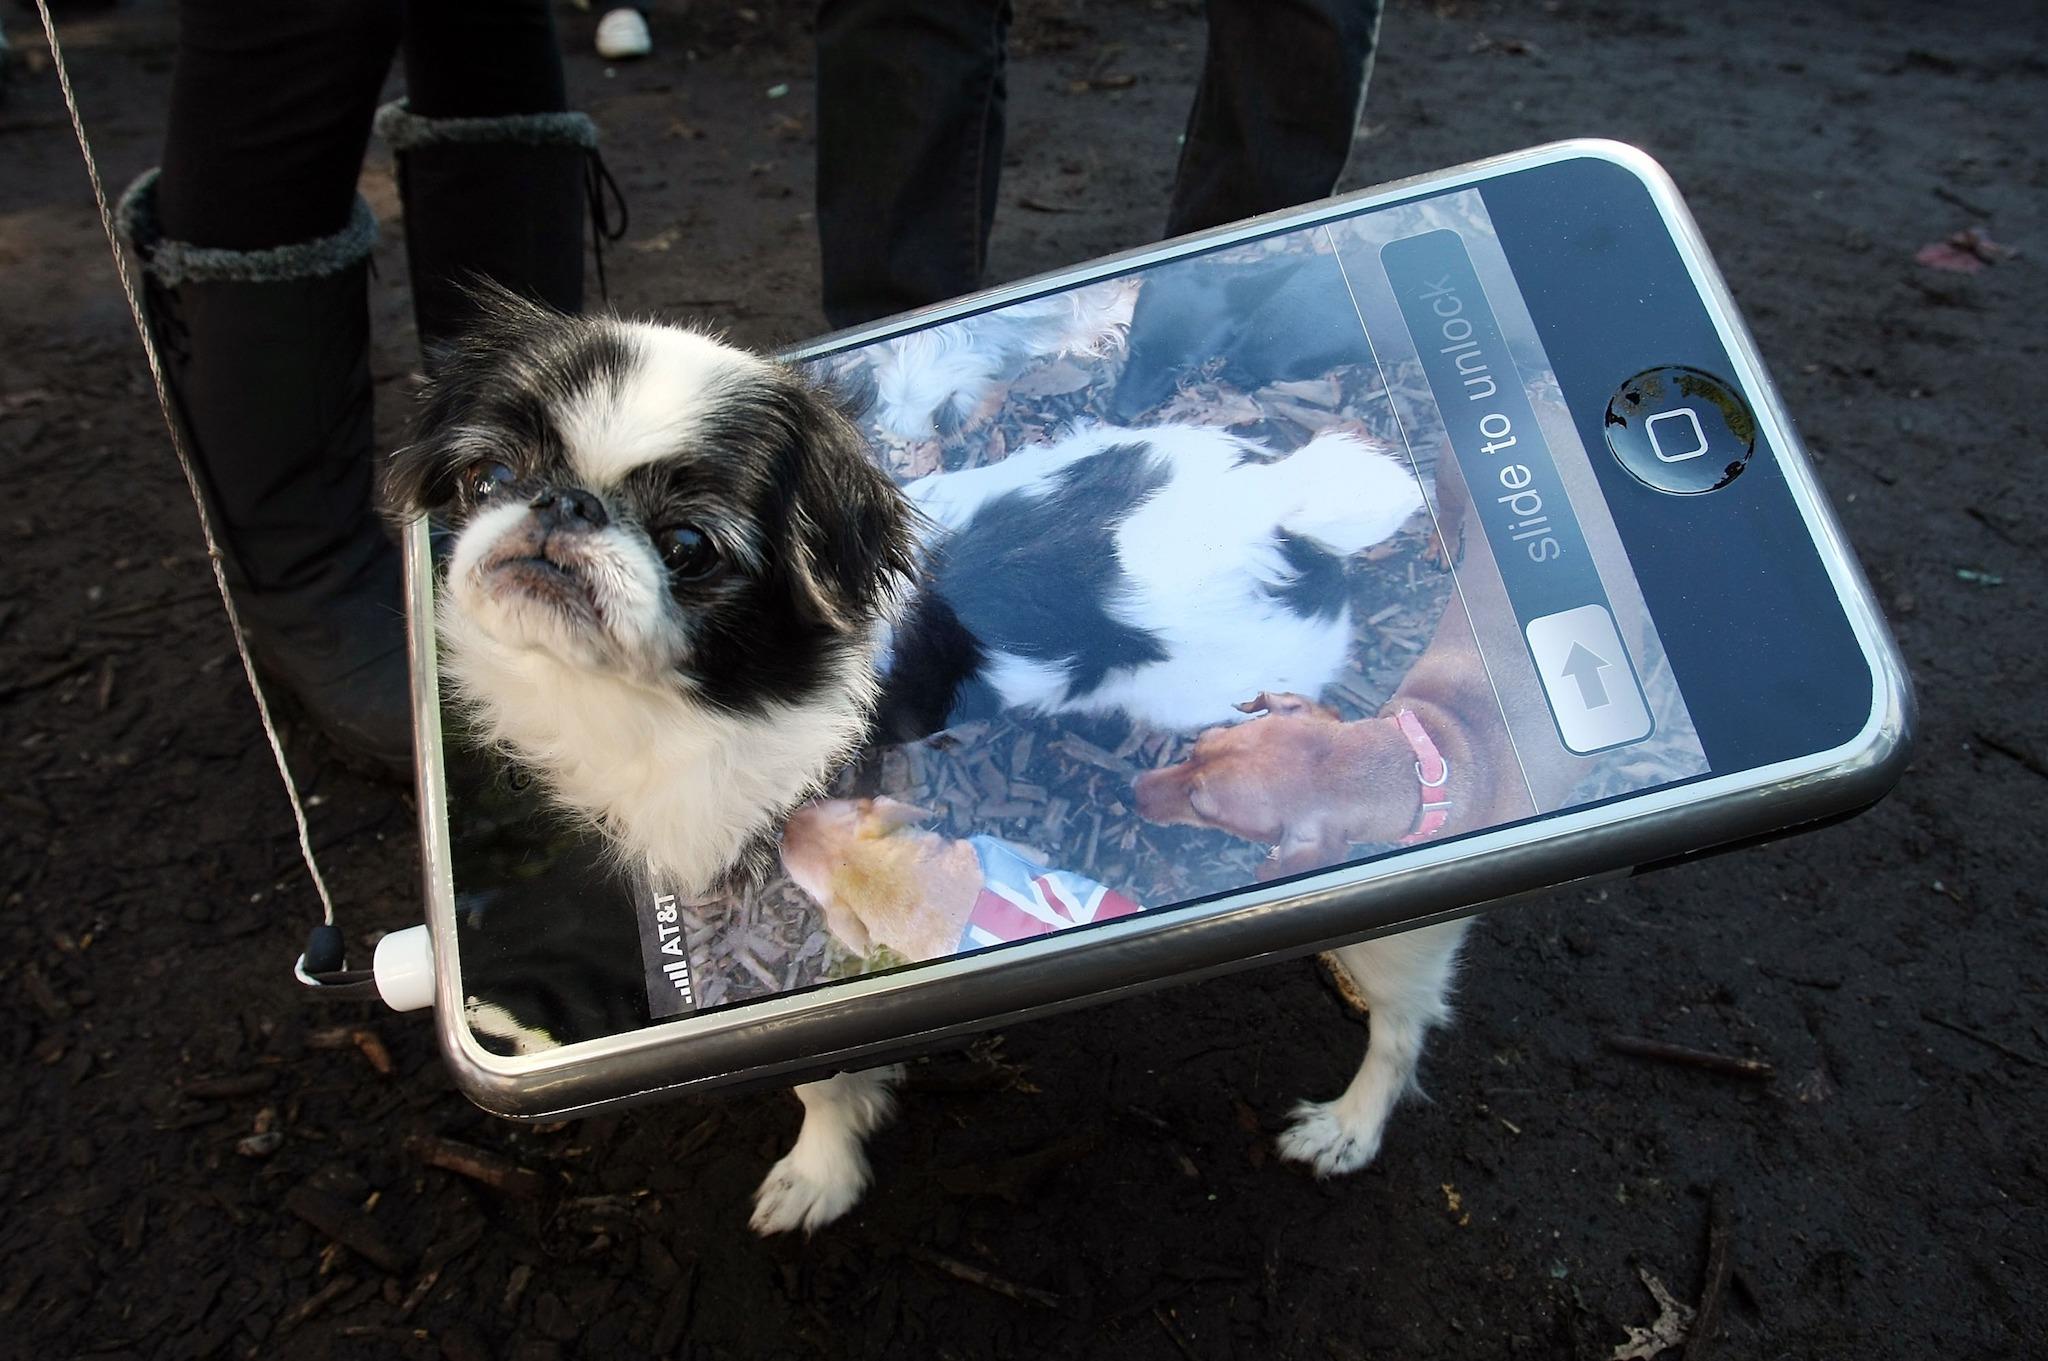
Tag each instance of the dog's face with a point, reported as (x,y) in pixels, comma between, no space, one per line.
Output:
(827,840)
(648,503)
(877,877)
(1244,779)
(1256,781)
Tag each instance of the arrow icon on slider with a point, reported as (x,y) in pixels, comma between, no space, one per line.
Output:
(1584,666)
(1587,679)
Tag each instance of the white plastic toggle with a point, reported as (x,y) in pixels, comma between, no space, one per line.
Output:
(404,967)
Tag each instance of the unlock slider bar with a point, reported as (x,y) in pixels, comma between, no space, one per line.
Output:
(1588,679)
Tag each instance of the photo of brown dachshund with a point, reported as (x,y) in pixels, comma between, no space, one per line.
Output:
(1435,761)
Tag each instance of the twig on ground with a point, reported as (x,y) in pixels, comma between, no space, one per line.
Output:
(1980,1037)
(47,676)
(360,1038)
(418,1294)
(33,123)
(2013,753)
(43,995)
(1720,1264)
(1948,195)
(348,1226)
(314,1303)
(1160,1313)
(497,1172)
(1014,1179)
(1976,513)
(153,606)
(515,1286)
(1755,1069)
(229,1088)
(974,1275)
(696,1137)
(675,1314)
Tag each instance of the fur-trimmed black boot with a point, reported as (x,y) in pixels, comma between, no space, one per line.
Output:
(267,356)
(495,198)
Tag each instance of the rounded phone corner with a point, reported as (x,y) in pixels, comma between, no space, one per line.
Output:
(1869,765)
(1894,720)
(497,1084)
(1626,155)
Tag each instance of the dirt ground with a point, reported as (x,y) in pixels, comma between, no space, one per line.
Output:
(1102,1184)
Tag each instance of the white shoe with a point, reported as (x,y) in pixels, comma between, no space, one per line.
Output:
(622,35)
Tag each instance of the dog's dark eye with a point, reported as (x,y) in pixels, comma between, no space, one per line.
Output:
(686,550)
(484,479)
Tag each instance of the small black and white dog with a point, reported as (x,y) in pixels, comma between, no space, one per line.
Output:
(673,567)
(680,588)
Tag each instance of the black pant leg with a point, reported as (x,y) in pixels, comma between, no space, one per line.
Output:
(493,170)
(1283,86)
(270,110)
(911,100)
(482,58)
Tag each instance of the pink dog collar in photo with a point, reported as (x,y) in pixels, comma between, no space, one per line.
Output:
(1433,772)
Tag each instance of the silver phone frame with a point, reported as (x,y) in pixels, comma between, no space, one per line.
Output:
(863,1021)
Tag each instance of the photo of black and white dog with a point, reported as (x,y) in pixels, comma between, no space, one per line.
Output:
(1153,573)
(682,592)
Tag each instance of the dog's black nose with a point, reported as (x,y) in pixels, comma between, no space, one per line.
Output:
(569,508)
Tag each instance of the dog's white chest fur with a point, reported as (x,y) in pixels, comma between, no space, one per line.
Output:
(673,783)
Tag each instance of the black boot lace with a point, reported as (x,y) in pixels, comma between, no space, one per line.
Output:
(607,211)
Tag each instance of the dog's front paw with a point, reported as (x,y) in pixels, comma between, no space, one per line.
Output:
(1321,1136)
(807,1190)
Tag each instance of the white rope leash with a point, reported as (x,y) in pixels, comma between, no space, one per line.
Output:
(163,399)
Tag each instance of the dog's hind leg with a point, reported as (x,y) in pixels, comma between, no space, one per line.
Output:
(819,1179)
(1405,980)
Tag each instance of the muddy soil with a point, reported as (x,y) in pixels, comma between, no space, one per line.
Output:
(1101,1184)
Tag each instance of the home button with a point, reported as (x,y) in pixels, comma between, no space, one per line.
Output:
(1680,430)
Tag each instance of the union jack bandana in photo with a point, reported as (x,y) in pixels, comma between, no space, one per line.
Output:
(1020,899)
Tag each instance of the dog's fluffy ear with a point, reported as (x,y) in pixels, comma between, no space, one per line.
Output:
(464,373)
(852,539)
(854,387)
